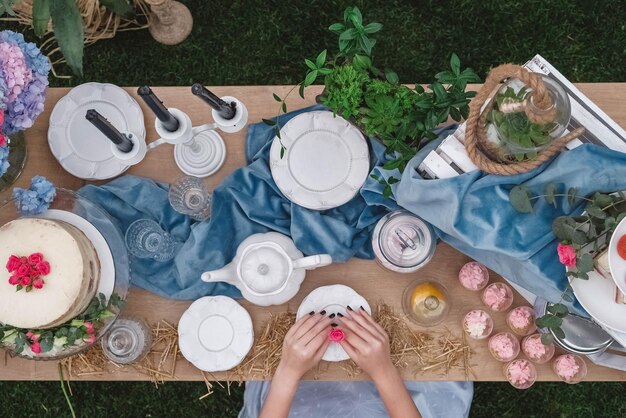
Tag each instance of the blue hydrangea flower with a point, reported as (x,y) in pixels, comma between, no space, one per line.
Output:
(4,160)
(35,60)
(37,199)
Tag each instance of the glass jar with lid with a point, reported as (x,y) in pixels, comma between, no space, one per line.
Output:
(403,242)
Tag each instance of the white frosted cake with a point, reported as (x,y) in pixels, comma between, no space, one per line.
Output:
(69,286)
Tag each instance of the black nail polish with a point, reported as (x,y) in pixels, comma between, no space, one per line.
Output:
(331,316)
(339,314)
(333,325)
(349,308)
(362,308)
(323,313)
(312,313)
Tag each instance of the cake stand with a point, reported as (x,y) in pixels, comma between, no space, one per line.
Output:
(108,240)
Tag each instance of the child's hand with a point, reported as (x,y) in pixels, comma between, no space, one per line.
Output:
(367,343)
(304,345)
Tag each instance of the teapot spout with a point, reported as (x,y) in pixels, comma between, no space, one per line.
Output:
(224,274)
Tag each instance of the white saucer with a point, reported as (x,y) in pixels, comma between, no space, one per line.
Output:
(333,299)
(326,161)
(617,264)
(107,268)
(204,158)
(215,333)
(81,149)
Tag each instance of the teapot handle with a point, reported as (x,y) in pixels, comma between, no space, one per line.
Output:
(312,262)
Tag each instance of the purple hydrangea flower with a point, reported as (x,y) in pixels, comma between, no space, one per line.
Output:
(37,199)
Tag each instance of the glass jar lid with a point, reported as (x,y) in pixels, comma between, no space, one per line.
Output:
(403,242)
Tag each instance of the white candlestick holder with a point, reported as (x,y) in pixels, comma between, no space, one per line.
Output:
(199,150)
(135,155)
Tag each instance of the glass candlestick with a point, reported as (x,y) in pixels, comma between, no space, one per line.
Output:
(146,239)
(128,341)
(190,196)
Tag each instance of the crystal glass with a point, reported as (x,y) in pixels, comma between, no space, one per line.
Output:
(521,320)
(570,368)
(128,341)
(498,296)
(17,160)
(426,302)
(190,196)
(520,373)
(536,351)
(146,239)
(474,276)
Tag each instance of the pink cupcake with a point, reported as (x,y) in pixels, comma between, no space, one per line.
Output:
(570,368)
(474,276)
(535,350)
(477,324)
(520,373)
(522,320)
(498,297)
(504,346)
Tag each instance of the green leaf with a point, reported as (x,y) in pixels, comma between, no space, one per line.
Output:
(321,59)
(455,64)
(549,192)
(361,61)
(571,195)
(348,35)
(387,191)
(310,64)
(277,97)
(558,309)
(284,107)
(301,90)
(391,76)
(268,122)
(602,200)
(584,264)
(337,28)
(355,16)
(68,31)
(546,339)
(595,211)
(41,16)
(519,196)
(549,321)
(564,228)
(277,131)
(373,27)
(5,7)
(46,344)
(558,332)
(310,78)
(366,44)
(282,151)
(119,7)
(439,91)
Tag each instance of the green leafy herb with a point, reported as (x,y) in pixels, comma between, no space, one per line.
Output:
(68,31)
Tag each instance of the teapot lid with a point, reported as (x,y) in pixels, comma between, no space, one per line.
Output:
(265,268)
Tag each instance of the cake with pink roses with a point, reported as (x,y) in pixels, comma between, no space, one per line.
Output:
(50,275)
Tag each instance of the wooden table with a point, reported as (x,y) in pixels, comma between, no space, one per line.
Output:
(366,277)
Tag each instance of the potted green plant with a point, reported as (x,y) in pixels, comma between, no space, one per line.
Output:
(402,117)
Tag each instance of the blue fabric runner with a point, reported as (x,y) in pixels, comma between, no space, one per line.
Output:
(247,202)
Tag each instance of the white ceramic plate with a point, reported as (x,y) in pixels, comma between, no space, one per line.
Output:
(107,268)
(326,161)
(215,333)
(617,264)
(332,299)
(81,149)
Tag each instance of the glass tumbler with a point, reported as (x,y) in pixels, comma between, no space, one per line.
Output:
(146,239)
(128,341)
(190,196)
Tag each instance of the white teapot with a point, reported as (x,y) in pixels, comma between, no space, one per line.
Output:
(268,269)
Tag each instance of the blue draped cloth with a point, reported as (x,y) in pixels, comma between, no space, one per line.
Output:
(247,202)
(472,212)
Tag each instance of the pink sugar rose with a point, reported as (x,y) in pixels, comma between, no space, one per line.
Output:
(3,140)
(14,280)
(13,263)
(91,339)
(23,270)
(33,337)
(336,335)
(25,280)
(43,268)
(35,258)
(567,255)
(35,348)
(90,327)
(38,283)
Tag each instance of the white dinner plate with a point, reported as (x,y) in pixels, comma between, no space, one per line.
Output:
(326,161)
(617,264)
(81,149)
(215,333)
(107,267)
(333,299)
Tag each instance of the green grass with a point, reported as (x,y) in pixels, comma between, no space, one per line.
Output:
(243,42)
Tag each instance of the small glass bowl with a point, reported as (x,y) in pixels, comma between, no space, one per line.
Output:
(477,324)
(474,276)
(426,302)
(498,297)
(536,351)
(521,320)
(570,368)
(504,346)
(520,373)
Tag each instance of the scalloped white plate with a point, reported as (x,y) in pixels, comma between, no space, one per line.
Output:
(81,149)
(333,299)
(215,333)
(617,264)
(326,160)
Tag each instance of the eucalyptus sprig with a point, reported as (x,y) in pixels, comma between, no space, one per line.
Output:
(583,235)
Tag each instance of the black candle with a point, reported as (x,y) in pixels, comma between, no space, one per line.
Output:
(119,139)
(168,120)
(224,109)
